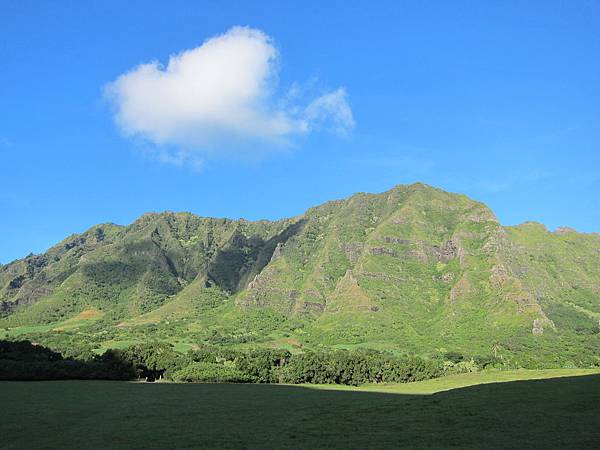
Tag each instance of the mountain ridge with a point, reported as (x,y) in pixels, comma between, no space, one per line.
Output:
(413,269)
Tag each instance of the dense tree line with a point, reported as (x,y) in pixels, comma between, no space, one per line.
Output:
(157,361)
(355,368)
(23,360)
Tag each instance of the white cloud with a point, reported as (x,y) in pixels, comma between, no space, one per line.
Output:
(218,98)
(330,111)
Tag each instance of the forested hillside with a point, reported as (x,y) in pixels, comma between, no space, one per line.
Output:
(412,271)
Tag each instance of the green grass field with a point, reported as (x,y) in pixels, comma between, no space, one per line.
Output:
(546,413)
(463,380)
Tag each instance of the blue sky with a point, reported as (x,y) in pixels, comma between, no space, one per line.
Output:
(497,100)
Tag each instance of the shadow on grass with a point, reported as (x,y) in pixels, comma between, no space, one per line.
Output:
(551,413)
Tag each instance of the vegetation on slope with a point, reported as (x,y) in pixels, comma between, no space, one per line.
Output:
(413,271)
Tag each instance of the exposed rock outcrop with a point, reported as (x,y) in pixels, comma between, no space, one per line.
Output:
(349,296)
(461,290)
(379,251)
(353,250)
(277,252)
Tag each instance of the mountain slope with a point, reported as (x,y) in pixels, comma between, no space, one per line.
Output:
(414,269)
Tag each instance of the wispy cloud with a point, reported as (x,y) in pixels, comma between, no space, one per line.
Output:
(5,143)
(330,112)
(221,99)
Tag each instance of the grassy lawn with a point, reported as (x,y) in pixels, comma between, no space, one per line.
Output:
(546,413)
(84,318)
(463,380)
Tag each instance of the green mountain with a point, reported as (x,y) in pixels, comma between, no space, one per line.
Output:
(412,270)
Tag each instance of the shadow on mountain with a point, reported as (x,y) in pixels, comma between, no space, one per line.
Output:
(243,257)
